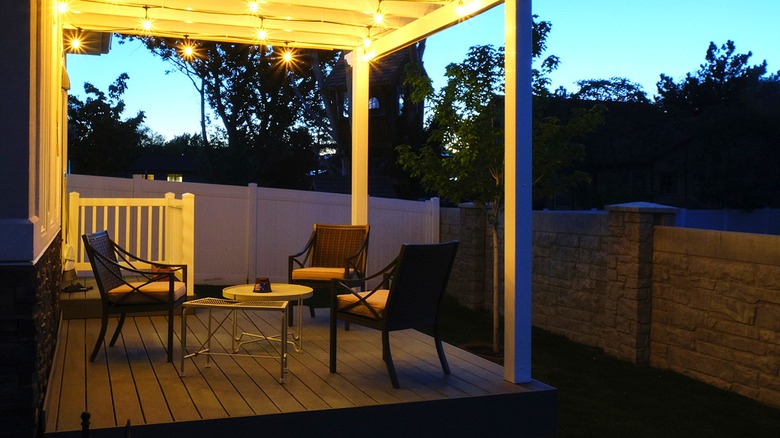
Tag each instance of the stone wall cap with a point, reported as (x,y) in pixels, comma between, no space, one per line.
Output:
(642,207)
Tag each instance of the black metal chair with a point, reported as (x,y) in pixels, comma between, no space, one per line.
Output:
(408,295)
(333,251)
(159,289)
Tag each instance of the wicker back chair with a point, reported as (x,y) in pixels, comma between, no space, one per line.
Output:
(156,287)
(333,251)
(407,296)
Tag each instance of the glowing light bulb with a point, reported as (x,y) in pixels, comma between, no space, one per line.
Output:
(287,56)
(378,18)
(366,42)
(75,44)
(146,24)
(254,6)
(262,34)
(62,7)
(460,9)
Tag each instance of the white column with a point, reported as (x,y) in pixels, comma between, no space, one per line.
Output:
(517,247)
(188,240)
(358,105)
(252,232)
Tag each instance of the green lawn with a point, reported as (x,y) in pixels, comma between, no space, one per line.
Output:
(599,396)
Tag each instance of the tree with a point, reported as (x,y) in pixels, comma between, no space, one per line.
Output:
(101,143)
(727,112)
(611,90)
(260,100)
(463,159)
(722,79)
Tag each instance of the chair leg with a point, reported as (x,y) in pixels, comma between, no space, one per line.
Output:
(170,333)
(440,349)
(118,329)
(101,335)
(333,330)
(388,358)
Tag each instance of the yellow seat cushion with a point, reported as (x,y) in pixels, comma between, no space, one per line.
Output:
(156,289)
(317,273)
(377,301)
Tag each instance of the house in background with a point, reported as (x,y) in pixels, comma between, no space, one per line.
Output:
(164,167)
(393,119)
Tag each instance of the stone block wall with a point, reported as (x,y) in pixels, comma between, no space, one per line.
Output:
(716,309)
(570,274)
(467,281)
(29,318)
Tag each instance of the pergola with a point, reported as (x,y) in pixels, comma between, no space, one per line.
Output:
(368,29)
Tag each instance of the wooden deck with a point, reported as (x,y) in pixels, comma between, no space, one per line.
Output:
(133,382)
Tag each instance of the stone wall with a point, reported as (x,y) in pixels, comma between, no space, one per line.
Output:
(570,274)
(29,312)
(705,304)
(467,281)
(716,309)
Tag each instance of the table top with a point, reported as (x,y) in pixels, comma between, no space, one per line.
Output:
(279,292)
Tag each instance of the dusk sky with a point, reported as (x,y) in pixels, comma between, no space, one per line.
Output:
(594,39)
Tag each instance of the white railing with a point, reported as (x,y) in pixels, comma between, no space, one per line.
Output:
(155,229)
(244,232)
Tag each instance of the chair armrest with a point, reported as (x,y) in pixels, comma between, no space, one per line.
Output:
(356,262)
(346,284)
(294,259)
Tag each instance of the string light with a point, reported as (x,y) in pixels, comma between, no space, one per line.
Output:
(460,9)
(287,55)
(367,39)
(262,32)
(378,18)
(62,7)
(187,49)
(146,23)
(254,7)
(76,43)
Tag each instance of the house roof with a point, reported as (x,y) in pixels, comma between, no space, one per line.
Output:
(382,72)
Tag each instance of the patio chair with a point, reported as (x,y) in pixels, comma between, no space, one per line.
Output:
(407,296)
(154,289)
(333,251)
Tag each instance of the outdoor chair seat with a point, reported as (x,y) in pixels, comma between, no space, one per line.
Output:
(369,304)
(146,292)
(319,274)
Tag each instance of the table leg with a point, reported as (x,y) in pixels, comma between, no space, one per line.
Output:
(283,359)
(183,339)
(208,342)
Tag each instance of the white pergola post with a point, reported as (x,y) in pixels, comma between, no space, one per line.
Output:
(518,177)
(358,105)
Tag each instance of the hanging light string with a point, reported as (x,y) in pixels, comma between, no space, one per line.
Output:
(253,9)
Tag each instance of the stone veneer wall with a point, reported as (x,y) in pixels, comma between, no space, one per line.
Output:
(29,318)
(705,304)
(716,309)
(468,279)
(570,274)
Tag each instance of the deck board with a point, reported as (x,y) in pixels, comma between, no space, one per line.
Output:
(133,381)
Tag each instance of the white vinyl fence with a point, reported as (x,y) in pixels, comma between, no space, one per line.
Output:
(246,232)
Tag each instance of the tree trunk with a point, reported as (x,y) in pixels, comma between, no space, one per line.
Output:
(496,325)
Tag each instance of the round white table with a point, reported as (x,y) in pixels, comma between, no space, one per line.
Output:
(279,292)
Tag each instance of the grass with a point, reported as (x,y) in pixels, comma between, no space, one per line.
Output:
(600,396)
